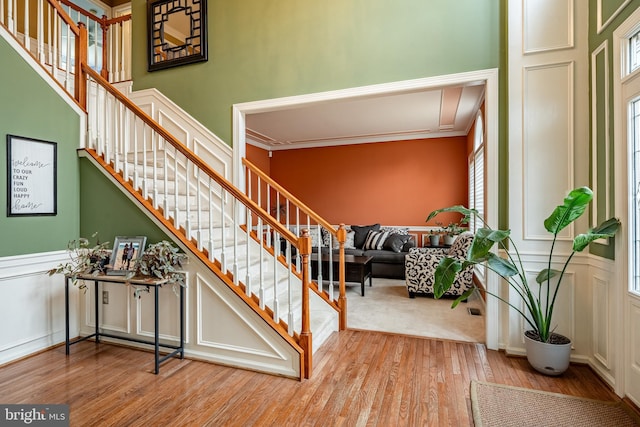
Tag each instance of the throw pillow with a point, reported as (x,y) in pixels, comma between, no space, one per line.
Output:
(361,232)
(395,230)
(375,240)
(410,244)
(395,242)
(348,243)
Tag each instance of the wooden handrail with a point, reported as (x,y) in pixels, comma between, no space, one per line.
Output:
(191,156)
(307,210)
(63,14)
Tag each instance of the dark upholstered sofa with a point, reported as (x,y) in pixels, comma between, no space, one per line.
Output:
(388,253)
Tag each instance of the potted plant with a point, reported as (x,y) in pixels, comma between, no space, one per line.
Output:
(434,235)
(452,231)
(84,258)
(547,351)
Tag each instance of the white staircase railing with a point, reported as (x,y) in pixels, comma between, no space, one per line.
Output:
(213,218)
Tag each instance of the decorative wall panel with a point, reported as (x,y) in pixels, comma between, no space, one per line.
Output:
(548,25)
(547,154)
(601,321)
(607,10)
(600,147)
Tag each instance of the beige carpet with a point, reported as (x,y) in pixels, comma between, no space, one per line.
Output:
(504,406)
(386,307)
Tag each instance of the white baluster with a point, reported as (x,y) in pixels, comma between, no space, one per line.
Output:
(247,280)
(67,65)
(136,166)
(154,169)
(276,301)
(210,248)
(122,52)
(10,18)
(187,180)
(166,181)
(234,213)
(261,294)
(223,253)
(40,36)
(199,204)
(175,186)
(145,187)
(27,37)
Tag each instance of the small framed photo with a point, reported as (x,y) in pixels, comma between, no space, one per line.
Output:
(126,253)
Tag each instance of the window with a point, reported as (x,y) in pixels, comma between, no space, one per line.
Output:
(476,173)
(476,183)
(634,52)
(634,196)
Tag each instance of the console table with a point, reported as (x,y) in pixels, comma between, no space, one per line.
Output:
(151,283)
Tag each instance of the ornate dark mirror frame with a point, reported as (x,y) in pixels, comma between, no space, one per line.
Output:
(177,32)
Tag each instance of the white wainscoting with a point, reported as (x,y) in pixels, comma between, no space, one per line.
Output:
(32,305)
(603,317)
(219,326)
(572,311)
(633,364)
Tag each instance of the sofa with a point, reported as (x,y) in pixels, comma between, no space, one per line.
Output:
(387,245)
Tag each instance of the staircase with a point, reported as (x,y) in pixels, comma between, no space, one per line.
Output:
(231,232)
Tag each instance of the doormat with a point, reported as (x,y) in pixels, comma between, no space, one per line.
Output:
(503,405)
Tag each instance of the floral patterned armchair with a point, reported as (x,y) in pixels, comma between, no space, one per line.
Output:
(421,263)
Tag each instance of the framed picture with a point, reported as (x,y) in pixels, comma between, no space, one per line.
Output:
(126,253)
(31,177)
(177,32)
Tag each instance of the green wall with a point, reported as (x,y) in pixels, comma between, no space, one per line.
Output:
(261,49)
(30,108)
(599,68)
(107,211)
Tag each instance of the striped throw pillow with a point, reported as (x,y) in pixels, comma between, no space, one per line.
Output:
(375,240)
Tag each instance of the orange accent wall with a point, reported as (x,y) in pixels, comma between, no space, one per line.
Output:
(393,183)
(259,157)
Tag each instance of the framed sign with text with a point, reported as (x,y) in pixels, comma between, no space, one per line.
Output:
(31,177)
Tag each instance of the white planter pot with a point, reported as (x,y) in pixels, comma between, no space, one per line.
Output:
(448,240)
(549,359)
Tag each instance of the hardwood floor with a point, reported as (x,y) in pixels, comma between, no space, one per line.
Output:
(359,378)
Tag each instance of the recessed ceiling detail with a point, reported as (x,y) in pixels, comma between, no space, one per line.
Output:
(433,113)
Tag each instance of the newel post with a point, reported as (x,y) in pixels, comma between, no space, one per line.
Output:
(80,89)
(342,299)
(304,245)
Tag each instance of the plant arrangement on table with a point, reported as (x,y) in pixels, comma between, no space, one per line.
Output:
(162,261)
(84,258)
(547,351)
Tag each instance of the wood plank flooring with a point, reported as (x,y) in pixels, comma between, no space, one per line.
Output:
(360,378)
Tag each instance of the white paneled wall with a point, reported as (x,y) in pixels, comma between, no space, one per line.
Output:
(219,326)
(549,152)
(32,305)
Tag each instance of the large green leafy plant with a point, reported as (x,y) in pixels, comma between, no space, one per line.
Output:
(540,304)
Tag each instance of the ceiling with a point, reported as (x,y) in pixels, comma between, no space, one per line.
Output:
(433,113)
